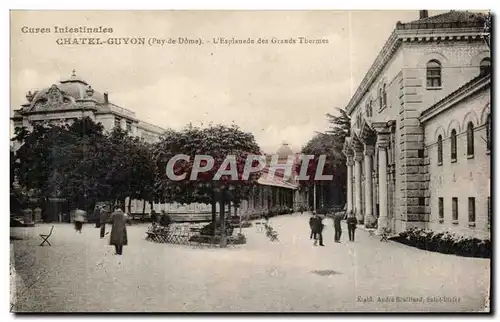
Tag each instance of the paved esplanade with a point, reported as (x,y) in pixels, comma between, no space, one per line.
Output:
(80,273)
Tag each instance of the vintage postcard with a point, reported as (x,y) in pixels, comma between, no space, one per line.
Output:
(250,161)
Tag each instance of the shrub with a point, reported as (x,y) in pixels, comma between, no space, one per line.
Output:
(445,242)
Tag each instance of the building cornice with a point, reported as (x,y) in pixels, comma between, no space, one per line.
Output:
(475,85)
(54,111)
(392,44)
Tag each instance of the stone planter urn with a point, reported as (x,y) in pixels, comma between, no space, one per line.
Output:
(28,216)
(38,214)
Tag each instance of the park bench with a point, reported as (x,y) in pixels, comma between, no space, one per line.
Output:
(46,237)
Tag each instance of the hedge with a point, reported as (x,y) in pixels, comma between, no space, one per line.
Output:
(445,242)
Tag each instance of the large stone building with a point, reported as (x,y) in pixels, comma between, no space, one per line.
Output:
(418,153)
(74,98)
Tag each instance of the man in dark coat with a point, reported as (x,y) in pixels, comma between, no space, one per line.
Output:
(153,216)
(317,227)
(118,236)
(96,216)
(351,225)
(337,219)
(103,219)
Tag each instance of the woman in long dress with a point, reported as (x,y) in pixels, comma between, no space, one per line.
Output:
(79,219)
(118,237)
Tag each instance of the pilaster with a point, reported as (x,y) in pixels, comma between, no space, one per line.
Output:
(412,167)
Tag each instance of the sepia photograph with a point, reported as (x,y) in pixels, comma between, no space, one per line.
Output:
(250,161)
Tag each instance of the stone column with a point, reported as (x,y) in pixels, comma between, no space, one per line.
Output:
(350,163)
(382,144)
(369,218)
(358,157)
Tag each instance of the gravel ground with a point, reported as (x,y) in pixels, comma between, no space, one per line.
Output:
(80,273)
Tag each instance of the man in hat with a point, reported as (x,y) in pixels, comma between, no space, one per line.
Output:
(317,229)
(337,220)
(351,225)
(118,236)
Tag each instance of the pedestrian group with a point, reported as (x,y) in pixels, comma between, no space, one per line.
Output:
(316,225)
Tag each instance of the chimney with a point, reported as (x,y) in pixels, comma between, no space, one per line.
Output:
(424,14)
(106,98)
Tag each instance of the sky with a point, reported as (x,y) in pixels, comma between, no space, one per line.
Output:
(279,92)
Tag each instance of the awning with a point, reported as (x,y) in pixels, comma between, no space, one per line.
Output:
(265,180)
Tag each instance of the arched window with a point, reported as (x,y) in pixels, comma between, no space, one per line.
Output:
(433,74)
(488,132)
(440,149)
(380,98)
(369,111)
(470,139)
(384,95)
(485,67)
(453,139)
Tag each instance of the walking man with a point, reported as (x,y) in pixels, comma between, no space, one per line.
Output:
(118,236)
(318,230)
(96,216)
(351,225)
(337,219)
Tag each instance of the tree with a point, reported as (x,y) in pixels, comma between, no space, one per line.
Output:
(81,159)
(216,141)
(142,174)
(331,145)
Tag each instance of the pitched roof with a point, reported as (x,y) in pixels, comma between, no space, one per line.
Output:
(453,16)
(452,19)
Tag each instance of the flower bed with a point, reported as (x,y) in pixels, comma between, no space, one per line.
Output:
(445,242)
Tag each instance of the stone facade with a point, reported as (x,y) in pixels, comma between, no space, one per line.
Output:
(467,175)
(421,64)
(74,98)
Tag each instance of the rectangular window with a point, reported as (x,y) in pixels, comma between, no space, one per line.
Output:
(454,209)
(433,77)
(441,209)
(421,153)
(421,201)
(129,126)
(472,211)
(117,122)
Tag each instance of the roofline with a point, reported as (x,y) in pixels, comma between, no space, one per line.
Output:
(475,85)
(392,45)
